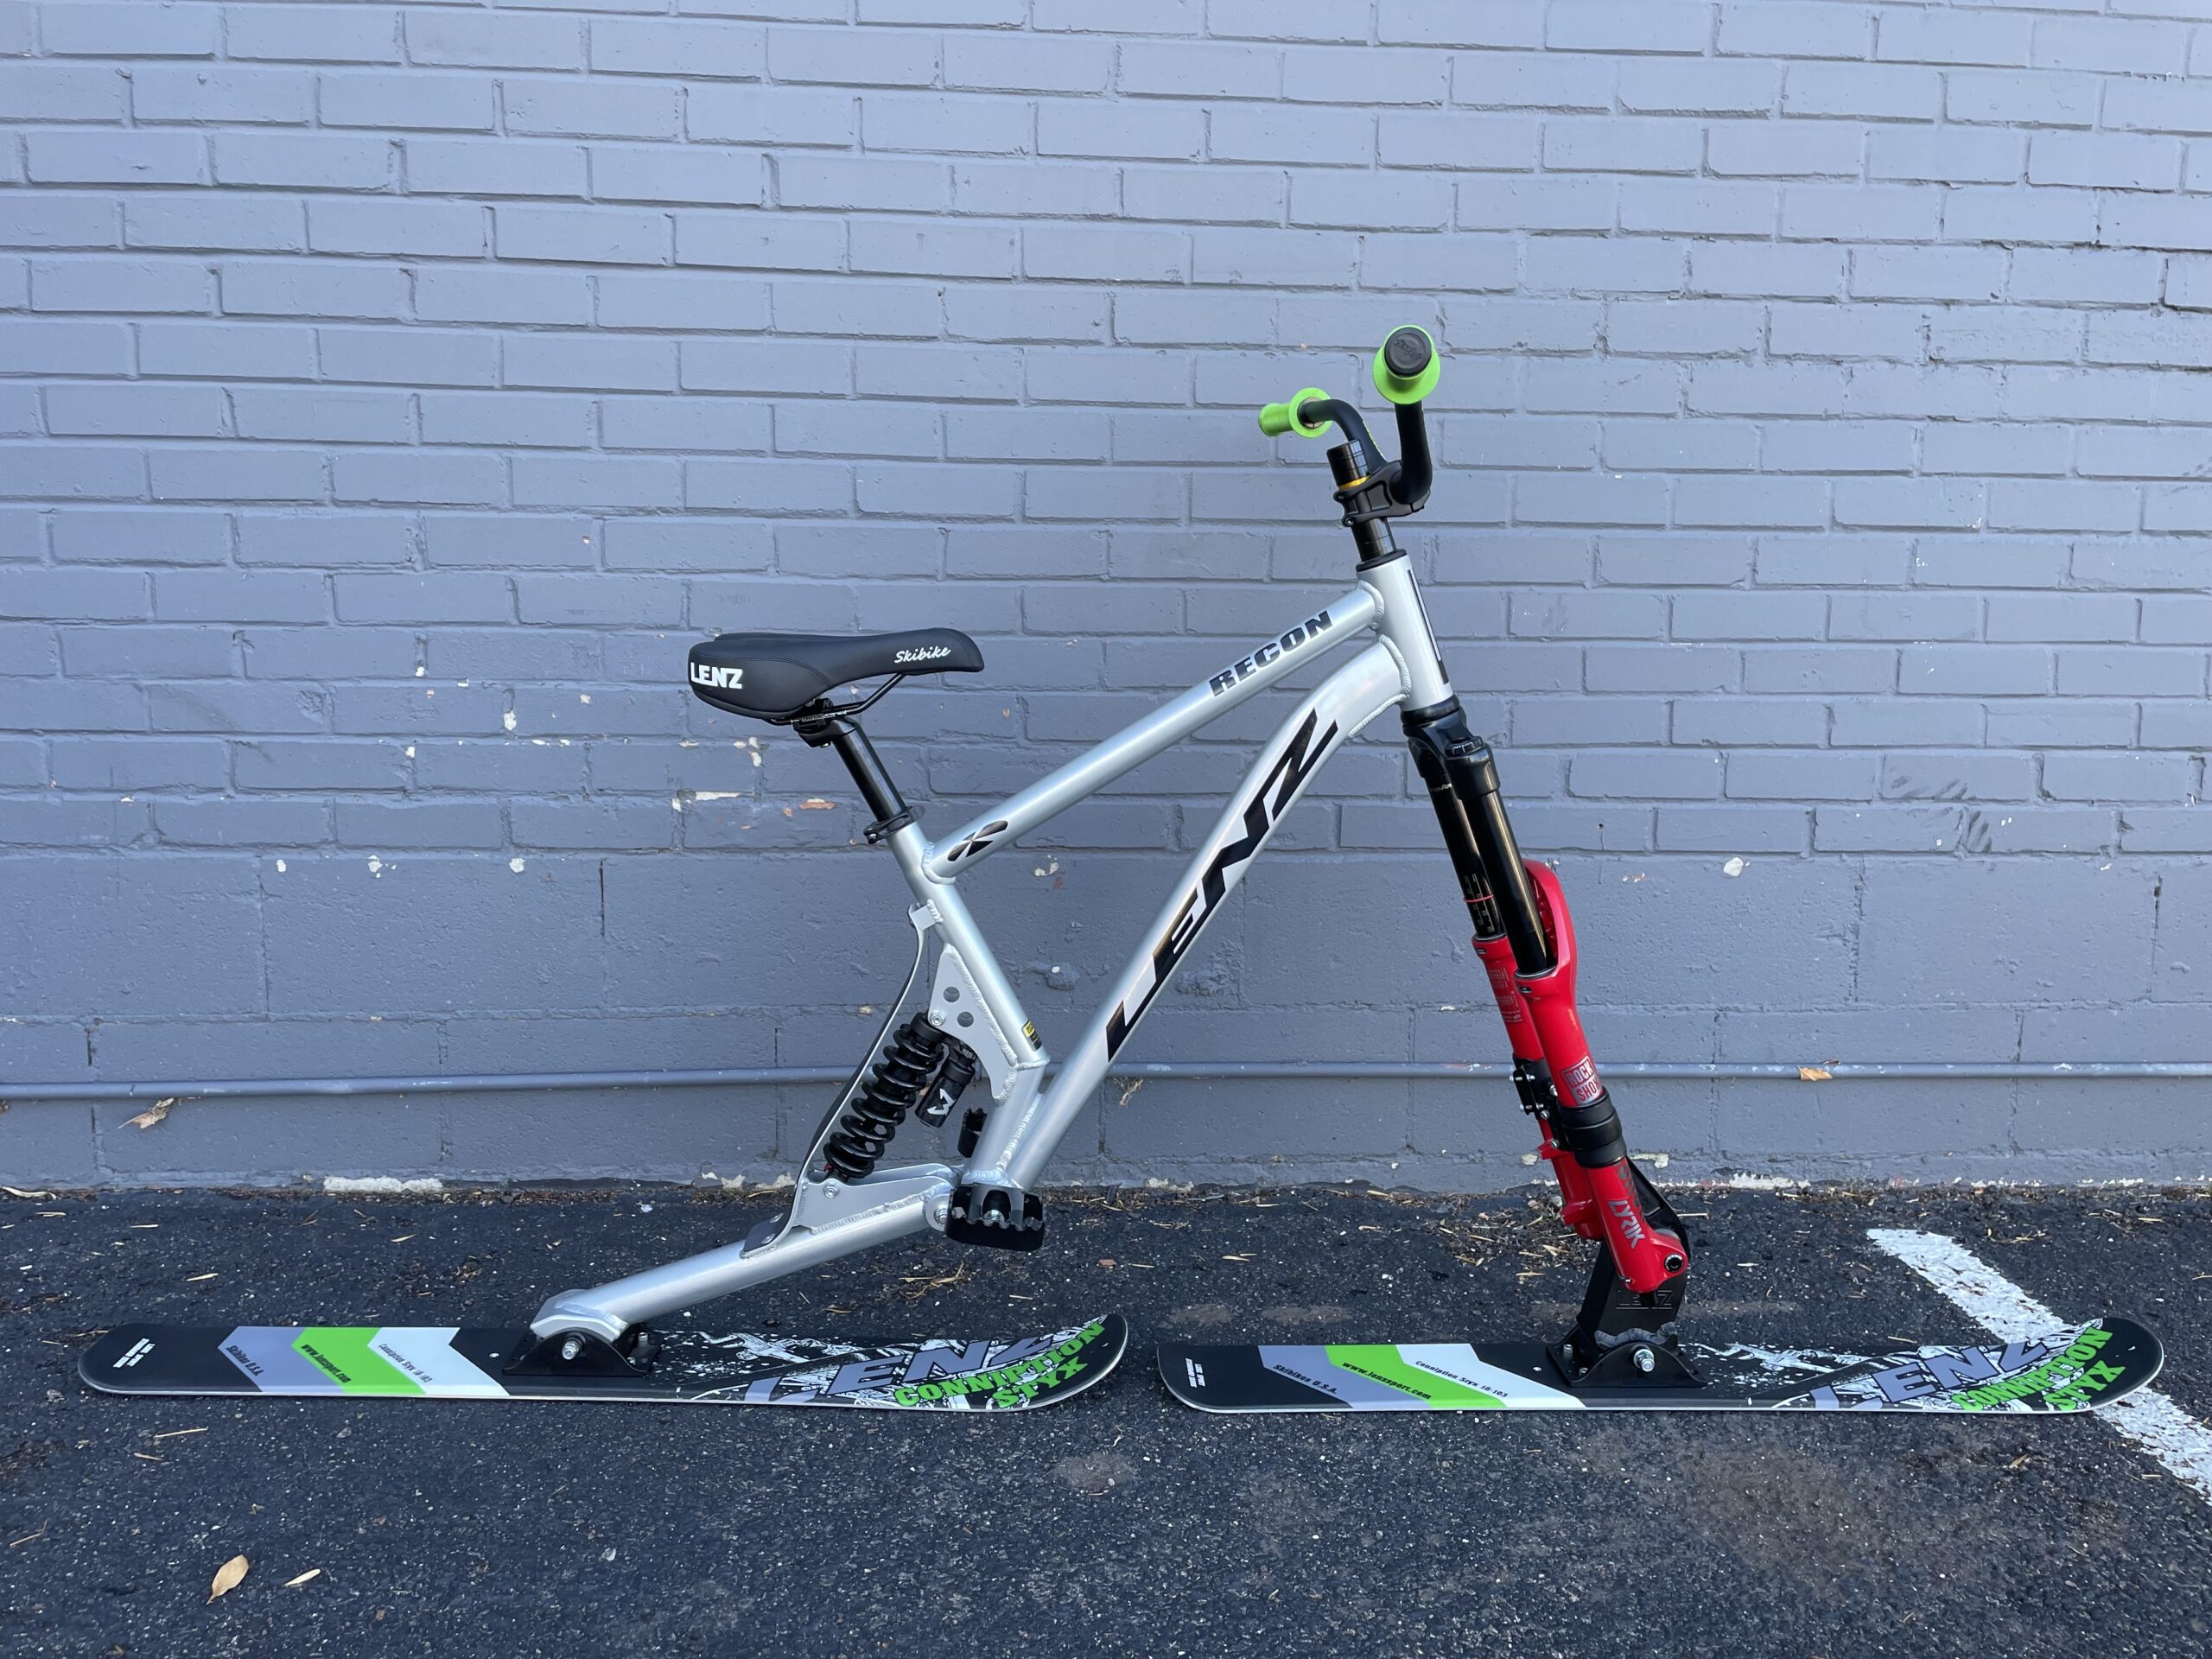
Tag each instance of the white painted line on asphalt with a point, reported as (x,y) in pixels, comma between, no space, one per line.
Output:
(2147,1417)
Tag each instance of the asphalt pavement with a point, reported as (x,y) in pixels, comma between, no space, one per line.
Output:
(1120,1523)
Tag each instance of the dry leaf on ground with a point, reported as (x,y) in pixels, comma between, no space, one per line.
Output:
(228,1577)
(312,1573)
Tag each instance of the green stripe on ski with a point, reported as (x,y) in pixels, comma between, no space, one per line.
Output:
(1380,1362)
(343,1352)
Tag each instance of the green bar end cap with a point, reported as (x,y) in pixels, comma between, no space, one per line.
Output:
(1276,419)
(1417,362)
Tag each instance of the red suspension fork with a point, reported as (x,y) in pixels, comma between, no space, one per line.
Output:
(1526,939)
(1646,1254)
(1532,1078)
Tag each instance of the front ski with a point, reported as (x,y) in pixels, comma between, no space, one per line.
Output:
(443,1362)
(2076,1370)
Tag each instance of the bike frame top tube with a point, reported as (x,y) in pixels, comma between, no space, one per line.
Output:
(1135,744)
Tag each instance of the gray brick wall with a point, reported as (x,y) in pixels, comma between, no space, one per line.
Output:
(389,394)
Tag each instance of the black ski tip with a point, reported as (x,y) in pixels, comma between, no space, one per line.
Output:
(2136,1349)
(1100,1356)
(1228,1379)
(191,1361)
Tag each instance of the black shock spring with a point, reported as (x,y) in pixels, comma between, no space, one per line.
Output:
(894,1087)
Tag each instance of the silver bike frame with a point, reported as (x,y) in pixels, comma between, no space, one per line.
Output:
(969,995)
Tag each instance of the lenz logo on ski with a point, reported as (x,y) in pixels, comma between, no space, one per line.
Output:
(460,1362)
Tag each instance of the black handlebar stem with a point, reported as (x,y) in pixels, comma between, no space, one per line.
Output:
(1377,488)
(1415,471)
(1316,411)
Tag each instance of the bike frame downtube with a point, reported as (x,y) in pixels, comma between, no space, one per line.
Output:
(1017,1145)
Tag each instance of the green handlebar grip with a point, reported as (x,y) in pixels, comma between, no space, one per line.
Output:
(1276,419)
(1406,364)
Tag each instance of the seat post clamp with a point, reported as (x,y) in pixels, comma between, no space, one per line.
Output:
(882,827)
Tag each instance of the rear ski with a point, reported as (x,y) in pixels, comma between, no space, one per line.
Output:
(2075,1370)
(686,1366)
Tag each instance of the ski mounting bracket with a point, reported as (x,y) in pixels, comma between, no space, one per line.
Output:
(584,1353)
(1625,1339)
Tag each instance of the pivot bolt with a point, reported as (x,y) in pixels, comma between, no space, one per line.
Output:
(1674,1264)
(571,1346)
(1643,1360)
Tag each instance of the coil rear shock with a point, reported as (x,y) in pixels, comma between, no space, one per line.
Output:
(895,1085)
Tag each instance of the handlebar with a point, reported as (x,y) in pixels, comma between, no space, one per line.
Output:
(1406,369)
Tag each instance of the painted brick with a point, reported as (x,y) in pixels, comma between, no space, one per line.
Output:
(1018,63)
(1747,616)
(410,477)
(607,236)
(136,410)
(699,51)
(1787,149)
(246,224)
(270,97)
(1954,37)
(88,28)
(455,229)
(310,288)
(1485,80)
(720,426)
(120,285)
(1943,393)
(71,472)
(1885,92)
(1795,32)
(45,91)
(139,536)
(313,33)
(853,57)
(2007,214)
(54,220)
(320,540)
(1618,145)
(400,102)
(2104,161)
(487,167)
(1657,26)
(772,115)
(2036,97)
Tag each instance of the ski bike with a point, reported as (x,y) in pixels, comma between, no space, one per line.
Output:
(959,1032)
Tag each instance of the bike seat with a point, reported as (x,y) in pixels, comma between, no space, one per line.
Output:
(774,676)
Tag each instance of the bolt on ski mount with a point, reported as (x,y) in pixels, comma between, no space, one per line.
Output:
(959,1022)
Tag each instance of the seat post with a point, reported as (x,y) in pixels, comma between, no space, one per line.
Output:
(845,735)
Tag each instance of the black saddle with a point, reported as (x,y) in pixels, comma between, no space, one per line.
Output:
(774,675)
